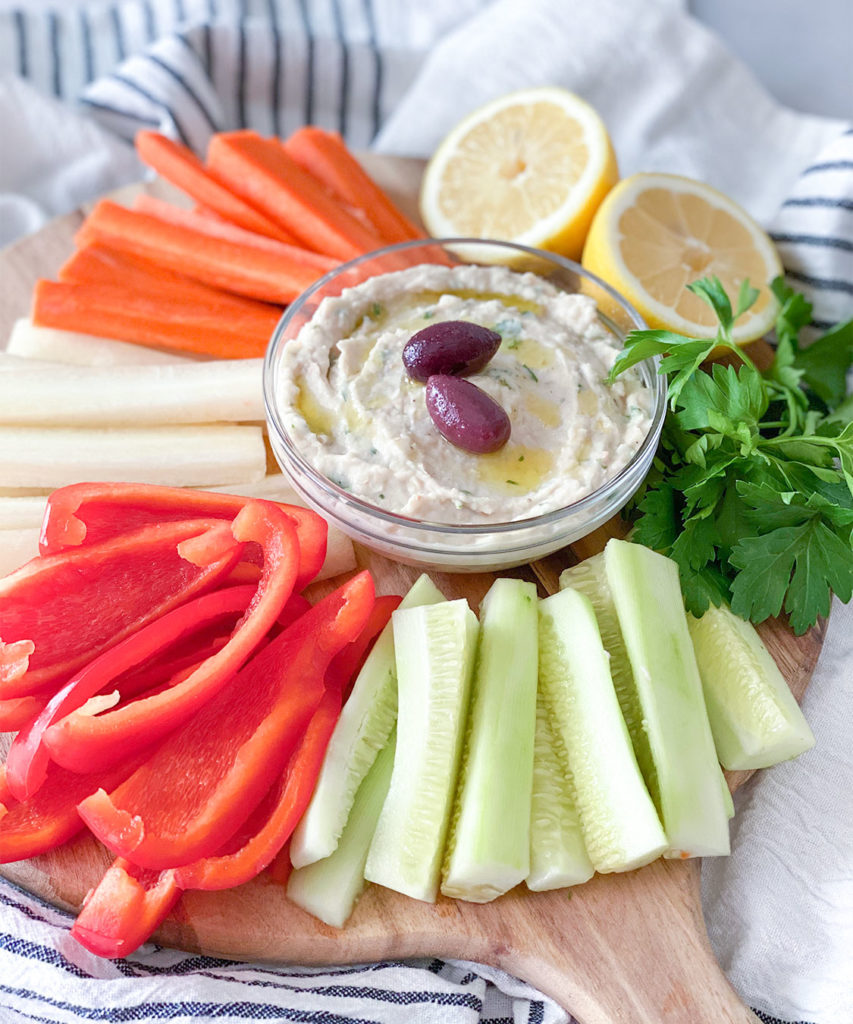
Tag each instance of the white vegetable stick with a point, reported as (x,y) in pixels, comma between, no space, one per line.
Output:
(273,487)
(34,342)
(227,390)
(19,513)
(10,362)
(17,547)
(182,456)
(340,554)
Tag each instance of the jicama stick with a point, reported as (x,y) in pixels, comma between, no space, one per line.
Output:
(181,456)
(226,329)
(9,361)
(242,269)
(217,227)
(325,155)
(182,168)
(16,547)
(340,554)
(30,342)
(227,391)
(261,172)
(23,512)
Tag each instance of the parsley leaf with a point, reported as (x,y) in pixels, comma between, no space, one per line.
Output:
(824,364)
(797,566)
(751,492)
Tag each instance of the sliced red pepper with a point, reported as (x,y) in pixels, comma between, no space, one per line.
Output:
(276,817)
(281,868)
(207,777)
(17,711)
(345,666)
(28,757)
(50,818)
(122,911)
(296,606)
(58,612)
(80,741)
(90,512)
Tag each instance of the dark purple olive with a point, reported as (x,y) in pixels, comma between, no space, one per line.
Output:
(449,346)
(466,415)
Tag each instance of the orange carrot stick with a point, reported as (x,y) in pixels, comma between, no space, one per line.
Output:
(99,264)
(242,269)
(218,227)
(325,155)
(262,173)
(179,165)
(225,329)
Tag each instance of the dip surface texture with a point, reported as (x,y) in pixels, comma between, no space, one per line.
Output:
(360,420)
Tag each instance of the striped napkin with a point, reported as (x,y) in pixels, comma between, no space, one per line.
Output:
(86,76)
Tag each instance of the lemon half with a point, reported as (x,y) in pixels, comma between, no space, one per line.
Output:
(656,233)
(531,167)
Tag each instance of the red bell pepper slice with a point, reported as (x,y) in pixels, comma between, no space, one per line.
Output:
(275,818)
(58,612)
(122,911)
(80,741)
(17,711)
(296,606)
(28,757)
(346,665)
(90,512)
(267,830)
(207,777)
(50,818)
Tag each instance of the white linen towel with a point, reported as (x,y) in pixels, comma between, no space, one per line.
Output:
(780,909)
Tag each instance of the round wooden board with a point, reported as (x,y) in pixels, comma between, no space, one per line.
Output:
(629,947)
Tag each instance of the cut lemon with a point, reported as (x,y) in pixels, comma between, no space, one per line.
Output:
(656,233)
(531,167)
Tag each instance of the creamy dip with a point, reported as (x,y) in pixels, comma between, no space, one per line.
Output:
(359,419)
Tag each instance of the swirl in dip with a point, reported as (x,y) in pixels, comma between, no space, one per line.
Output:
(360,420)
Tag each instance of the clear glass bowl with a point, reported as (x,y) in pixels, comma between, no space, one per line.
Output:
(442,546)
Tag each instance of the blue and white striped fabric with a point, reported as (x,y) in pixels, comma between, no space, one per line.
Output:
(814,232)
(398,76)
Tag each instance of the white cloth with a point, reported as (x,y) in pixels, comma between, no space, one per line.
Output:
(780,909)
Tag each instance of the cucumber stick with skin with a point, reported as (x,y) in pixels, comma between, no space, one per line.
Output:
(488,852)
(755,720)
(685,776)
(558,856)
(329,888)
(361,732)
(435,647)
(618,820)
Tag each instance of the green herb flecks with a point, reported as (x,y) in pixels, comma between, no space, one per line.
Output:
(751,491)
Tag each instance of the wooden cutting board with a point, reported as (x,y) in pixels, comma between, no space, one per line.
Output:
(622,948)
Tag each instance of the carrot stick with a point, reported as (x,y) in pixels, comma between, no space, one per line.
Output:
(325,155)
(180,166)
(227,328)
(218,227)
(242,269)
(261,172)
(98,264)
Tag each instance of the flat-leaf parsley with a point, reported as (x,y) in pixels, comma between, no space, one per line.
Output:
(751,491)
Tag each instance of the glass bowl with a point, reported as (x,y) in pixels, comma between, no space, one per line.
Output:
(443,546)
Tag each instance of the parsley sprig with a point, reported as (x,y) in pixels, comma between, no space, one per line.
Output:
(751,491)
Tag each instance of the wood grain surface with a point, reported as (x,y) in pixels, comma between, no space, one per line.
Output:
(626,948)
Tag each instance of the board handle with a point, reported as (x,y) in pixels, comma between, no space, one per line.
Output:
(634,950)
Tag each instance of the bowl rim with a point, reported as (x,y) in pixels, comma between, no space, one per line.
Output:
(510,527)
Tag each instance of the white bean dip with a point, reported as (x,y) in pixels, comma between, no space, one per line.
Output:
(359,419)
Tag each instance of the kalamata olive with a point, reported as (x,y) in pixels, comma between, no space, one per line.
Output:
(466,415)
(449,346)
